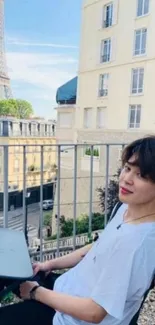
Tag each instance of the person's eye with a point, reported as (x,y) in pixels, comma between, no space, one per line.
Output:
(126,168)
(139,175)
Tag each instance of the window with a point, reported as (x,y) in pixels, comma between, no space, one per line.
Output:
(16,128)
(105,50)
(137,80)
(42,129)
(33,129)
(48,132)
(103,85)
(65,120)
(10,127)
(107,15)
(101,117)
(30,128)
(1,128)
(142,7)
(134,116)
(24,129)
(140,41)
(87,118)
(16,166)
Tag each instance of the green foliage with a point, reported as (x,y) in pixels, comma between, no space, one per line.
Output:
(8,299)
(8,107)
(47,220)
(67,228)
(16,107)
(95,152)
(112,198)
(82,224)
(24,109)
(53,237)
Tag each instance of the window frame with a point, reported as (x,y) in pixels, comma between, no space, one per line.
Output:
(103,108)
(137,108)
(104,18)
(85,125)
(102,51)
(96,149)
(139,53)
(138,89)
(143,13)
(104,82)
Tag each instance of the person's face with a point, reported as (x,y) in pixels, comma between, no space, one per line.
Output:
(133,189)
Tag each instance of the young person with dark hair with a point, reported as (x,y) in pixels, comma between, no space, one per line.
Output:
(107,280)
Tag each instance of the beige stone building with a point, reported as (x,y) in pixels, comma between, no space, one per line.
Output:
(117,67)
(32,134)
(115,100)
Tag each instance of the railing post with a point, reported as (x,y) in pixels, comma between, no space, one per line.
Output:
(106,185)
(58,200)
(75,194)
(24,187)
(91,191)
(5,193)
(41,201)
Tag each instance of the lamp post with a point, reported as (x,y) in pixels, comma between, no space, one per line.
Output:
(26,215)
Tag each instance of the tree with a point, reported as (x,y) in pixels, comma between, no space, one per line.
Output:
(47,220)
(82,224)
(8,107)
(24,109)
(16,107)
(66,227)
(112,198)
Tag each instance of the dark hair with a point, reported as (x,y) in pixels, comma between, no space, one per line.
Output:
(144,151)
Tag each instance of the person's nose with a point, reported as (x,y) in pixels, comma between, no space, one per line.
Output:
(128,178)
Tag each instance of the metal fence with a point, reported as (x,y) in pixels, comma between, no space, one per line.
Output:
(68,168)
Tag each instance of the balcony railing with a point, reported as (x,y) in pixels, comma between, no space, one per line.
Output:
(71,185)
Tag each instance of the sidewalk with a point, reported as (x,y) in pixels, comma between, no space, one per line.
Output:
(18,212)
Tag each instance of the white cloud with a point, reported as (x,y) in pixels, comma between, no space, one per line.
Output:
(17,42)
(37,76)
(43,70)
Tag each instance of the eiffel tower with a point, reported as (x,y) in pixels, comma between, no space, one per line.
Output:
(5,88)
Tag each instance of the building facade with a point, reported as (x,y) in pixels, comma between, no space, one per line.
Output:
(115,94)
(31,134)
(117,67)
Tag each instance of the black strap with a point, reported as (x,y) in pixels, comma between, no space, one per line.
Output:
(117,206)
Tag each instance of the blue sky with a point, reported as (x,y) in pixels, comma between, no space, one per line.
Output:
(42,44)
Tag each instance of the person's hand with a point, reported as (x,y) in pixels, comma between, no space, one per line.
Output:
(25,289)
(37,267)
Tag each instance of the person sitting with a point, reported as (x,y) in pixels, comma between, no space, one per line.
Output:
(96,237)
(106,280)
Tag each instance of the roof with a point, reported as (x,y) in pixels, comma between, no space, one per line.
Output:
(66,94)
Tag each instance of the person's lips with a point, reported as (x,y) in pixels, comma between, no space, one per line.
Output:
(124,191)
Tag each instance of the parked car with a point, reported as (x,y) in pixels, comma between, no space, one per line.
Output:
(47,204)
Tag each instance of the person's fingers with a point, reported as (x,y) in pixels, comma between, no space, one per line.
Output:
(36,269)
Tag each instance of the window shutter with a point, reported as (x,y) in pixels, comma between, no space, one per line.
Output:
(113,49)
(101,17)
(115,11)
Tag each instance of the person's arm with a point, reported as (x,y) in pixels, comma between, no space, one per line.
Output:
(68,261)
(81,308)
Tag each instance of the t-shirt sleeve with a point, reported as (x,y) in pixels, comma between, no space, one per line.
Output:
(111,289)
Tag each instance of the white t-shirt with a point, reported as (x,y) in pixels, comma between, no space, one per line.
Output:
(115,273)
